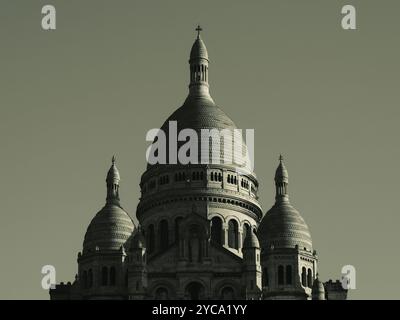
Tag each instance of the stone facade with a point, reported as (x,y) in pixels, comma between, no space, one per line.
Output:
(201,232)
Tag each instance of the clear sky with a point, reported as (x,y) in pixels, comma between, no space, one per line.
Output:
(327,99)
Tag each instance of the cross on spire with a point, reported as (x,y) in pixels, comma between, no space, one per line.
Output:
(198,29)
(280,158)
(113,159)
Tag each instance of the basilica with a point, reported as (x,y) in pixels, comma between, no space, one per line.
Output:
(201,232)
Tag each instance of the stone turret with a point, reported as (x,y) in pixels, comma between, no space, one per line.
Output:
(137,270)
(283,233)
(251,266)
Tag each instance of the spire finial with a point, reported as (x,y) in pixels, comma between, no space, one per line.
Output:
(198,29)
(114,158)
(280,158)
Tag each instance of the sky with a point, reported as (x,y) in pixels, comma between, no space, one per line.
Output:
(324,97)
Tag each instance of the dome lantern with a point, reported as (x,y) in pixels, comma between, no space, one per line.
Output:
(112,181)
(281,181)
(198,61)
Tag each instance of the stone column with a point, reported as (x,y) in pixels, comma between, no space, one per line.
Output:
(225,235)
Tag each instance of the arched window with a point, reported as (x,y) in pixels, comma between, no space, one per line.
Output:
(177,222)
(227,293)
(104,276)
(112,276)
(215,176)
(288,274)
(216,230)
(195,245)
(161,294)
(194,291)
(233,235)
(265,277)
(90,278)
(303,277)
(84,279)
(219,177)
(163,234)
(280,275)
(246,230)
(309,278)
(150,239)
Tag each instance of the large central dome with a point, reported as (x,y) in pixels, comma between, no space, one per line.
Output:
(200,114)
(199,111)
(199,154)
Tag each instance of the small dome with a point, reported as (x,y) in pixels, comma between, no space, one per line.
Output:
(318,290)
(199,50)
(138,241)
(109,229)
(284,227)
(251,240)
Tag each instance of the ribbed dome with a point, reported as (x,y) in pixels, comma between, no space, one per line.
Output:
(199,114)
(284,227)
(198,50)
(202,113)
(109,229)
(251,240)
